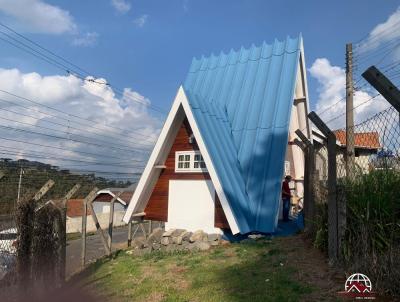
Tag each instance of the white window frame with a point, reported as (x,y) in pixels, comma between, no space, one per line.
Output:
(191,168)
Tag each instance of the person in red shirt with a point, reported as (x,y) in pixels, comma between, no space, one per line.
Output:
(286,195)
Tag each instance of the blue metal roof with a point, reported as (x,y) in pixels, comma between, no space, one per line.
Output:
(242,103)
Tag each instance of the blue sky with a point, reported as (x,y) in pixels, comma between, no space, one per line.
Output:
(145,48)
(154,58)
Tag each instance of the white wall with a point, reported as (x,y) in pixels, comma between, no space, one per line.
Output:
(104,207)
(74,225)
(191,206)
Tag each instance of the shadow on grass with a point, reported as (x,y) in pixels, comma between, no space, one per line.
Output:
(262,274)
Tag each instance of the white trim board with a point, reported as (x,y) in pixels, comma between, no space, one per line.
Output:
(106,191)
(160,152)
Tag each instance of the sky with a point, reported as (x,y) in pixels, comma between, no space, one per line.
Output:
(145,47)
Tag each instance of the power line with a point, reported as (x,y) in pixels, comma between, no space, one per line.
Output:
(63,125)
(59,148)
(355,107)
(16,152)
(70,115)
(62,66)
(68,133)
(67,139)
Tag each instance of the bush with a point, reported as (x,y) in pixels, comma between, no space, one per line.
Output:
(372,240)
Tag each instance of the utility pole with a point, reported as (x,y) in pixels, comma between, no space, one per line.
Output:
(349,112)
(19,184)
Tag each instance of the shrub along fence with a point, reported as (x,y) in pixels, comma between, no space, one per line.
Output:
(355,198)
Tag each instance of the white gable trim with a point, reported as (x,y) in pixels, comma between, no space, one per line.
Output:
(145,179)
(106,191)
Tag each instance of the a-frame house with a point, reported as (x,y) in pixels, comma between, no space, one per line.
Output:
(219,160)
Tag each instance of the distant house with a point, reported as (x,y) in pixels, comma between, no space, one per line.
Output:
(101,206)
(366,144)
(220,158)
(101,203)
(75,208)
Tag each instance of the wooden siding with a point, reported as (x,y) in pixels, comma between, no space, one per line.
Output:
(220,220)
(157,206)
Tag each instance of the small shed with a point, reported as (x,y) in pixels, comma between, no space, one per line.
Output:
(101,204)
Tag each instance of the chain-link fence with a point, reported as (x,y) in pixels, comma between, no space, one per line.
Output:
(366,203)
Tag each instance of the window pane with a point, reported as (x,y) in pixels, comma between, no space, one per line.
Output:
(187,157)
(180,157)
(187,165)
(180,165)
(196,165)
(202,164)
(197,157)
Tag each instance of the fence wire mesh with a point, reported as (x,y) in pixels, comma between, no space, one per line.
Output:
(376,145)
(368,190)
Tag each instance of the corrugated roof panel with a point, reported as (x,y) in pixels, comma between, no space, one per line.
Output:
(241,102)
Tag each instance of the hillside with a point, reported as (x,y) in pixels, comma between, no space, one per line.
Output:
(36,174)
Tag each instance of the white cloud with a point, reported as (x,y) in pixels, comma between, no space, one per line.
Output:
(38,16)
(141,21)
(85,99)
(331,90)
(88,39)
(383,32)
(121,6)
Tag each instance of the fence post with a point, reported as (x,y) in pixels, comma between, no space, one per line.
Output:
(385,87)
(25,225)
(309,162)
(43,190)
(130,232)
(63,230)
(88,198)
(111,222)
(333,240)
(98,227)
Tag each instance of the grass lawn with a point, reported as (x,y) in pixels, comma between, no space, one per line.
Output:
(261,271)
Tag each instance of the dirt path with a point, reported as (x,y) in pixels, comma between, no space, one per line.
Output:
(313,268)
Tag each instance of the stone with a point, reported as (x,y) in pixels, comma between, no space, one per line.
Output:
(168,233)
(156,246)
(198,236)
(203,246)
(178,232)
(256,236)
(186,236)
(139,243)
(214,237)
(185,245)
(192,247)
(177,240)
(165,241)
(155,236)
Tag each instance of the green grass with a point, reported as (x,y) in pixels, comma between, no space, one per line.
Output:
(237,272)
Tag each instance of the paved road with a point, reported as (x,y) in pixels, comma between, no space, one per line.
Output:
(95,248)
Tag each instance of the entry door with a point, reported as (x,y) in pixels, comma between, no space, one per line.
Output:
(191,205)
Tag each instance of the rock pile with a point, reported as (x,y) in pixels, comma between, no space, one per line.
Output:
(175,240)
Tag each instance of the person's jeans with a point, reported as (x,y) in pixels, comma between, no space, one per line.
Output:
(286,208)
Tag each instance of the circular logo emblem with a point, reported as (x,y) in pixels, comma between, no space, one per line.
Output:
(358,283)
